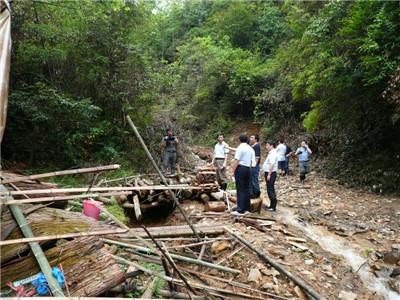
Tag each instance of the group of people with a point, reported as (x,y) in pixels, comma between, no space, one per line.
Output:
(246,167)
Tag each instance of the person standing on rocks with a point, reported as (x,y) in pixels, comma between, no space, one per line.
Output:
(255,171)
(220,157)
(281,153)
(241,167)
(303,153)
(270,168)
(170,145)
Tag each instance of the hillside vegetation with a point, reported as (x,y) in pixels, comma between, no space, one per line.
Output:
(78,67)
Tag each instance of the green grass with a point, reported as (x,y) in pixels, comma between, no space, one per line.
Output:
(117,211)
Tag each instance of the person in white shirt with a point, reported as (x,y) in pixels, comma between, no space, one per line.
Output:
(281,153)
(221,150)
(270,168)
(244,158)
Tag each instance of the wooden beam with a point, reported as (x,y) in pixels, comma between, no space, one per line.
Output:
(61,173)
(136,206)
(63,198)
(61,236)
(103,189)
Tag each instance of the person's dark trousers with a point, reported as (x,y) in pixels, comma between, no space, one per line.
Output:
(170,161)
(271,189)
(242,180)
(254,183)
(287,166)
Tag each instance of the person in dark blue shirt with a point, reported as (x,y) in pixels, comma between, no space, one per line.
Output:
(255,170)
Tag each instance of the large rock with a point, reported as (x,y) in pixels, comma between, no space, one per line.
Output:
(343,295)
(254,275)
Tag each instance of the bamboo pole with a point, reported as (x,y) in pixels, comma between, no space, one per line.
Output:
(177,281)
(163,179)
(297,280)
(35,247)
(60,173)
(62,198)
(166,255)
(60,236)
(233,283)
(103,189)
(175,256)
(148,293)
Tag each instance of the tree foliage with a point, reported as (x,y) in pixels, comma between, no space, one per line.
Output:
(328,65)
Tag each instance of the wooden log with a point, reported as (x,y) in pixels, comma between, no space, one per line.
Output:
(102,189)
(255,205)
(217,206)
(136,206)
(89,269)
(60,236)
(219,196)
(60,173)
(174,256)
(265,258)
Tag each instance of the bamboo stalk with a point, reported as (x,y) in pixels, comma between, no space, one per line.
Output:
(36,249)
(175,256)
(166,255)
(194,284)
(60,173)
(233,283)
(62,198)
(103,189)
(60,236)
(163,179)
(148,293)
(299,281)
(191,245)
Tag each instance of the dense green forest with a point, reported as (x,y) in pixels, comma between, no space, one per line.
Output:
(330,69)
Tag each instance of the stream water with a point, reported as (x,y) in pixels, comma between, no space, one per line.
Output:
(341,247)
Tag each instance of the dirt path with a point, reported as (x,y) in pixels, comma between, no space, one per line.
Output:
(348,230)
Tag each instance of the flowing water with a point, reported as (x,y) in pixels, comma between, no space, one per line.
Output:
(341,247)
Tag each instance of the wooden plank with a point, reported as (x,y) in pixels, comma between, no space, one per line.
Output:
(61,173)
(136,206)
(175,231)
(103,189)
(68,197)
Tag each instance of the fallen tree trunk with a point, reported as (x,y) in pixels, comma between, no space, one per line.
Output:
(88,268)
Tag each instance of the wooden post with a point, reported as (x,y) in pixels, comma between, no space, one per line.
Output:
(136,206)
(60,173)
(36,249)
(139,137)
(300,282)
